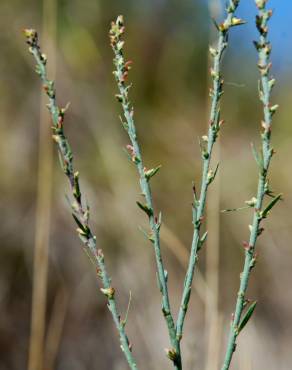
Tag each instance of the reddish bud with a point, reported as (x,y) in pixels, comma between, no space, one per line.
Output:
(128,65)
(246,245)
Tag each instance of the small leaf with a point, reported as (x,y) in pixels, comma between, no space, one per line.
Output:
(76,188)
(202,240)
(119,98)
(237,21)
(274,109)
(166,275)
(213,51)
(251,202)
(247,316)
(204,237)
(171,354)
(152,172)
(145,208)
(211,175)
(195,194)
(108,292)
(79,224)
(275,200)
(272,83)
(124,321)
(158,221)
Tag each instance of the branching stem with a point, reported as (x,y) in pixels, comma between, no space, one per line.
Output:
(121,73)
(207,145)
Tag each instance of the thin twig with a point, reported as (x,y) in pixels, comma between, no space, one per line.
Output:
(266,84)
(79,211)
(121,73)
(206,147)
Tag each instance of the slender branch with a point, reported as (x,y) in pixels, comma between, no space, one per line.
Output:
(206,147)
(266,84)
(80,212)
(121,73)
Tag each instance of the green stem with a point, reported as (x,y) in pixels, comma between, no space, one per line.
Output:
(207,175)
(80,213)
(121,73)
(266,85)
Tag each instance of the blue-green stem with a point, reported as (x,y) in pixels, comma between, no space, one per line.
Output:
(266,85)
(79,211)
(207,174)
(121,73)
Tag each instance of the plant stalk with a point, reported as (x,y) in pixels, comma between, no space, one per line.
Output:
(207,174)
(266,84)
(80,212)
(121,73)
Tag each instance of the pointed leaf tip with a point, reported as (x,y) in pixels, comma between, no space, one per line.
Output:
(145,208)
(271,205)
(247,316)
(152,172)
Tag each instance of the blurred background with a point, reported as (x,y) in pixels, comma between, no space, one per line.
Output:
(53,315)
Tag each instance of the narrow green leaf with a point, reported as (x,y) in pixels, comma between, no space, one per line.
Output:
(204,237)
(158,222)
(124,321)
(76,189)
(152,172)
(145,208)
(202,240)
(237,21)
(271,205)
(247,316)
(211,175)
(274,108)
(79,224)
(166,275)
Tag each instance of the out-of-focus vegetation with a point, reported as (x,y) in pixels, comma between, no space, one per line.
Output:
(168,42)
